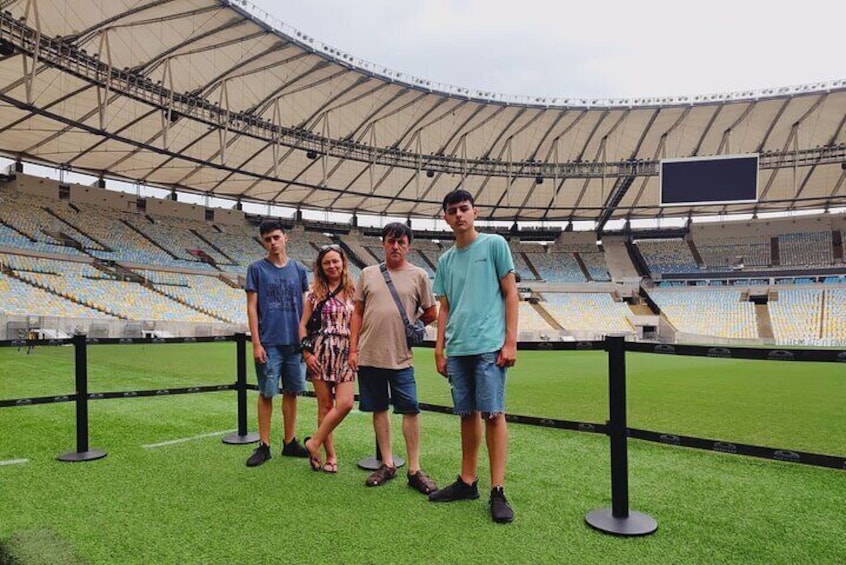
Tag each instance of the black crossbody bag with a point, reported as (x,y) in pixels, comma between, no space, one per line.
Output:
(414,333)
(313,323)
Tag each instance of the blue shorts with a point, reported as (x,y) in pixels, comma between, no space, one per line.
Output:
(374,385)
(478,384)
(285,364)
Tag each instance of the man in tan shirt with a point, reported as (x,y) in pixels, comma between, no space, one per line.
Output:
(380,353)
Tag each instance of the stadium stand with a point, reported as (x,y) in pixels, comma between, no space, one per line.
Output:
(588,312)
(667,256)
(719,313)
(557,267)
(88,261)
(796,316)
(805,249)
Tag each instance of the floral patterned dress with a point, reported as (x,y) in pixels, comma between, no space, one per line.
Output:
(332,342)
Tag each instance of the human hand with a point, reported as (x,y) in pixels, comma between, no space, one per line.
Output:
(441,363)
(259,354)
(507,356)
(311,362)
(352,360)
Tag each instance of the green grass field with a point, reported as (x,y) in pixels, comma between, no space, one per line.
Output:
(196,502)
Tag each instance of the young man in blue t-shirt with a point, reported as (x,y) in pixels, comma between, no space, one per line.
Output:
(477,341)
(275,287)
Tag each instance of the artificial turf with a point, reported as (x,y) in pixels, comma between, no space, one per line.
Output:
(196,502)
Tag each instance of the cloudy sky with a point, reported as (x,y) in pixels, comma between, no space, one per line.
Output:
(605,48)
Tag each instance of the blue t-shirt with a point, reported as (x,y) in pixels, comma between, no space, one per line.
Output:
(280,299)
(469,279)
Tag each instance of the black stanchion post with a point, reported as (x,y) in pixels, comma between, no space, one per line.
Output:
(241,436)
(618,520)
(82,453)
(373,463)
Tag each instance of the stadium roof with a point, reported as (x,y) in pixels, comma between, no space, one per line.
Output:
(217,98)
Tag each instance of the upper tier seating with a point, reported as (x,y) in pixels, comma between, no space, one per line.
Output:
(720,254)
(667,256)
(806,249)
(558,267)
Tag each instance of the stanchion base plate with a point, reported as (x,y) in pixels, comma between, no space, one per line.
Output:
(77,456)
(636,524)
(235,439)
(371,463)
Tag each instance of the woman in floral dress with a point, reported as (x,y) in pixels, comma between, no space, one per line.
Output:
(326,350)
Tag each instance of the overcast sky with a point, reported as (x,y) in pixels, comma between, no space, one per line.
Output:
(606,48)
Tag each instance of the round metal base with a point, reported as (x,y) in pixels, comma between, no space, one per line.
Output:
(235,439)
(636,524)
(75,457)
(371,463)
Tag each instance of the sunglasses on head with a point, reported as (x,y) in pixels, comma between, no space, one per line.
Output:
(330,247)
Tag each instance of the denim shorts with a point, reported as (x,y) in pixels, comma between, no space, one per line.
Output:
(478,384)
(285,364)
(379,387)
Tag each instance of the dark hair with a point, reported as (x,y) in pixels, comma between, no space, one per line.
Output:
(456,196)
(396,230)
(267,226)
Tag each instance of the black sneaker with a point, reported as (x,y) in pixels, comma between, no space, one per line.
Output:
(500,510)
(294,449)
(459,490)
(259,456)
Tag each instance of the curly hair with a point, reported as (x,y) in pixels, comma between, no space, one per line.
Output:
(320,286)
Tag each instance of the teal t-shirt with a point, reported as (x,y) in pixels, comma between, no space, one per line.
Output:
(469,279)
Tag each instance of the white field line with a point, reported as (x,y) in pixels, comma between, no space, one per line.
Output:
(184,439)
(13,462)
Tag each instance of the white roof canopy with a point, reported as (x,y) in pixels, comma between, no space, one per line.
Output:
(202,96)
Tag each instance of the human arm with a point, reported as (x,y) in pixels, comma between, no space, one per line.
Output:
(355,332)
(259,354)
(309,357)
(440,340)
(429,315)
(508,354)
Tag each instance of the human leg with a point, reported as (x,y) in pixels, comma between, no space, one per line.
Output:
(382,429)
(267,375)
(490,399)
(403,389)
(496,438)
(373,397)
(264,411)
(338,410)
(293,384)
(471,439)
(411,433)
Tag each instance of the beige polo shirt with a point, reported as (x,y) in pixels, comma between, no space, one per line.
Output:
(382,342)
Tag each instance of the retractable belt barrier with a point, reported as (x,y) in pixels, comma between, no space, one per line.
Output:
(81,396)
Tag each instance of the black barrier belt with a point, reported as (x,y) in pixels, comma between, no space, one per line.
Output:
(125,394)
(159,392)
(732,448)
(546,345)
(718,351)
(116,341)
(34,342)
(515,418)
(530,420)
(37,400)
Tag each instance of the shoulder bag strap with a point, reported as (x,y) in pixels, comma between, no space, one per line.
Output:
(384,268)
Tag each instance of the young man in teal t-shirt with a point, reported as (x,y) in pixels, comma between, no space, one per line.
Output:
(476,343)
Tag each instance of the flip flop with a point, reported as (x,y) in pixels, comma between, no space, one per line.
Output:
(330,467)
(313,461)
